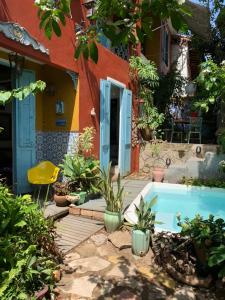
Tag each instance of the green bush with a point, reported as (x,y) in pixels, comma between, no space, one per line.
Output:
(28,254)
(212,183)
(209,235)
(82,173)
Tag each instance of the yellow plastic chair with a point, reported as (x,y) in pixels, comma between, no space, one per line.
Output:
(44,173)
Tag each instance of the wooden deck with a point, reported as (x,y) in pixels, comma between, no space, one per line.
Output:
(131,190)
(73,230)
(85,220)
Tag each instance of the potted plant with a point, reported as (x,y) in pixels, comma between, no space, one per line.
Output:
(62,195)
(158,172)
(142,230)
(114,200)
(81,173)
(149,121)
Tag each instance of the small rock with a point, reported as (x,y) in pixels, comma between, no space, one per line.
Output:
(156,293)
(99,239)
(127,295)
(120,239)
(184,293)
(68,269)
(56,275)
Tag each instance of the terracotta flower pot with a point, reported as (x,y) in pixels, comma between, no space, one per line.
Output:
(147,134)
(66,199)
(61,200)
(158,174)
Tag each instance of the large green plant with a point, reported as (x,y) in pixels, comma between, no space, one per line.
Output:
(210,85)
(28,253)
(150,117)
(112,195)
(146,218)
(82,173)
(209,235)
(123,22)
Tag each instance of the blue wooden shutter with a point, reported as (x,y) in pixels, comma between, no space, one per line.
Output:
(105,88)
(125,132)
(24,135)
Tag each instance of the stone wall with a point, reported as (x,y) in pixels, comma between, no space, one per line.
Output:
(184,160)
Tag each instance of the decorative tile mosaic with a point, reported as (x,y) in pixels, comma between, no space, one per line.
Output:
(53,146)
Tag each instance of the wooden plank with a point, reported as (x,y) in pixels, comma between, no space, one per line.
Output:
(70,236)
(81,219)
(73,228)
(72,232)
(80,224)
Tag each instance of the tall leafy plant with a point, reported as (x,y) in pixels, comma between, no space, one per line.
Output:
(112,195)
(28,253)
(210,85)
(145,215)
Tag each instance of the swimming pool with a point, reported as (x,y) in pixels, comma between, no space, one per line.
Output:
(177,198)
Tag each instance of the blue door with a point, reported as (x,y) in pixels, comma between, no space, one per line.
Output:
(105,95)
(23,135)
(125,132)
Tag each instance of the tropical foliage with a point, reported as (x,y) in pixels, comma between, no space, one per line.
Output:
(22,92)
(82,173)
(150,117)
(112,195)
(122,22)
(28,253)
(210,84)
(146,218)
(144,73)
(209,235)
(86,140)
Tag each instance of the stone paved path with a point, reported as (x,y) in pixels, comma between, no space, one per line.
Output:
(97,269)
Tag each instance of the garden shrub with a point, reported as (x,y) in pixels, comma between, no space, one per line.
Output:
(209,235)
(28,253)
(212,183)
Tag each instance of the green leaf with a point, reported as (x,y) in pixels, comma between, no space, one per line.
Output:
(85,51)
(5,96)
(44,18)
(94,52)
(48,29)
(22,223)
(56,28)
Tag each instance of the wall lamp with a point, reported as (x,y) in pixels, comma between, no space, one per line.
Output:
(198,150)
(168,162)
(16,63)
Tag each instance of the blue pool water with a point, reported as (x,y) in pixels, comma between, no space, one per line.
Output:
(173,199)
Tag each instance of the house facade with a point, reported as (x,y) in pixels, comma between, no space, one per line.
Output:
(78,94)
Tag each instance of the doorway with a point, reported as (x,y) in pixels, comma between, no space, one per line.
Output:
(6,141)
(18,139)
(115,126)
